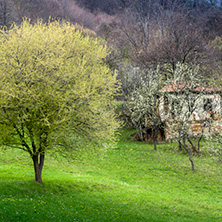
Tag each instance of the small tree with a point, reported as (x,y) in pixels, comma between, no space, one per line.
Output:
(184,103)
(55,92)
(143,104)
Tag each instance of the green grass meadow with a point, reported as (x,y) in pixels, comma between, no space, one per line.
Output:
(129,182)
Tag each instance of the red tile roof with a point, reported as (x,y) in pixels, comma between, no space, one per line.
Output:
(181,86)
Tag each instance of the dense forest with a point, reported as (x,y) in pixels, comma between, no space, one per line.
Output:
(147,32)
(91,13)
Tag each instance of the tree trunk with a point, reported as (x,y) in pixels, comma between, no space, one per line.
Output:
(192,163)
(198,145)
(193,147)
(140,132)
(180,145)
(179,141)
(190,158)
(38,166)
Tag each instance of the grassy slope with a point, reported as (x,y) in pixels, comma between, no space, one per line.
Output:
(129,183)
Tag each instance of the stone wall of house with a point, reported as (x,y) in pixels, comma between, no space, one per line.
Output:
(206,120)
(199,114)
(196,129)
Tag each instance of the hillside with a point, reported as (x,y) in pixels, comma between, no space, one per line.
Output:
(130,182)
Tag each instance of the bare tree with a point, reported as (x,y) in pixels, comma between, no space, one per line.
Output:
(180,42)
(7,15)
(155,34)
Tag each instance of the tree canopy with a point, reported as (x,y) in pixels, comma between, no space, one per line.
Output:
(56,91)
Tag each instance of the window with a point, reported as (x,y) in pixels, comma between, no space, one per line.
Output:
(208,104)
(166,104)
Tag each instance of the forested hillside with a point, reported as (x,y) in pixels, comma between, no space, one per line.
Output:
(14,10)
(91,13)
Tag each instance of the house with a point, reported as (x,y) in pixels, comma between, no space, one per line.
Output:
(200,107)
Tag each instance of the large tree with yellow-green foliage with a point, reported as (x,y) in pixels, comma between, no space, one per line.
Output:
(56,91)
